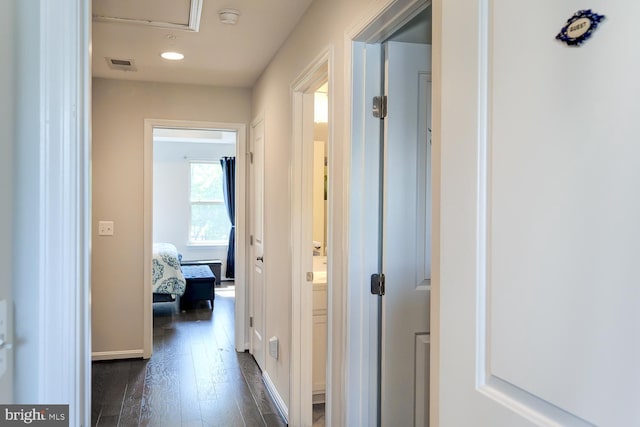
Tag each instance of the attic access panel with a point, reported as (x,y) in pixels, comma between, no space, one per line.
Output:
(174,14)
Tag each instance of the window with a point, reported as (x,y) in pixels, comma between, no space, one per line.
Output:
(209,221)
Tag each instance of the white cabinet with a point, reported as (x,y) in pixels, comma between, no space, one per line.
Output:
(319,340)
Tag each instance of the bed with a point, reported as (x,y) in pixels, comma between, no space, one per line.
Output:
(168,280)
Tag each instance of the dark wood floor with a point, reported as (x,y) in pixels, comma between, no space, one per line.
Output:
(194,378)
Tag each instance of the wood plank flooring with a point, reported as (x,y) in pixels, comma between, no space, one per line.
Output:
(318,415)
(194,378)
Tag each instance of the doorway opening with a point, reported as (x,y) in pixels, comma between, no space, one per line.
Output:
(319,244)
(195,217)
(390,219)
(311,242)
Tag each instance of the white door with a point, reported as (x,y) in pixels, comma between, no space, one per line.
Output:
(256,252)
(406,236)
(540,216)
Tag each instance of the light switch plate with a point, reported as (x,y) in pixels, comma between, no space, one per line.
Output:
(105,228)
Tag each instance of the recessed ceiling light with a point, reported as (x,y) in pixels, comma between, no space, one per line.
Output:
(172,56)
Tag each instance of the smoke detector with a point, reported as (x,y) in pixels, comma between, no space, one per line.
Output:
(229,16)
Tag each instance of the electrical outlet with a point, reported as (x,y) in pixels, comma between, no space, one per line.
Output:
(273,347)
(105,228)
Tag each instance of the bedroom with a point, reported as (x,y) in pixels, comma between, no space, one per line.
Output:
(189,204)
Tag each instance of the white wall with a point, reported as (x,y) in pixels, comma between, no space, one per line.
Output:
(323,26)
(26,158)
(171,195)
(319,204)
(320,137)
(7,50)
(119,110)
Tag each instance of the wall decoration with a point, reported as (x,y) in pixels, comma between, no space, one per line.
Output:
(579,27)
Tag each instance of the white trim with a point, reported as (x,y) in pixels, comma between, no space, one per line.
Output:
(83,303)
(240,249)
(195,11)
(121,354)
(363,255)
(336,332)
(64,364)
(436,108)
(147,238)
(378,22)
(209,244)
(277,399)
(381,20)
(241,240)
(301,384)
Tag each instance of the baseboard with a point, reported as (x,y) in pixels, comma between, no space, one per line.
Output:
(113,355)
(271,388)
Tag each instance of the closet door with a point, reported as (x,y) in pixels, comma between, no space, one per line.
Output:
(406,236)
(540,215)
(256,251)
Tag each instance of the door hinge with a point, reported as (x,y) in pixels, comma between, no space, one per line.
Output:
(309,276)
(251,321)
(251,240)
(251,157)
(377,284)
(380,107)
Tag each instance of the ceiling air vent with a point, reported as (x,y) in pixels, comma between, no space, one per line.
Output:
(121,64)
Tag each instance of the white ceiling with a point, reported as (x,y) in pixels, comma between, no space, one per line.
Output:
(217,54)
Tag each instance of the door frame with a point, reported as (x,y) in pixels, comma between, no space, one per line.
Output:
(240,249)
(377,24)
(301,384)
(52,222)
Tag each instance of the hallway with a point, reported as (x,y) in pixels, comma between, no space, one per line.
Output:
(194,378)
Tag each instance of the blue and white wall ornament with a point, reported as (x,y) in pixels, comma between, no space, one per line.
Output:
(579,27)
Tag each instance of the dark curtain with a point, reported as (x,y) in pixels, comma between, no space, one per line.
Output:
(229,190)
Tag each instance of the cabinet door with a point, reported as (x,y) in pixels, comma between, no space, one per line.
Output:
(319,353)
(319,299)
